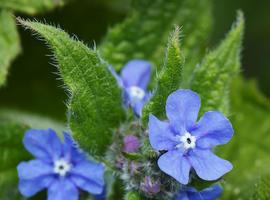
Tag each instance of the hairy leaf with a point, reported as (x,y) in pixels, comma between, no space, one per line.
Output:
(30,6)
(169,78)
(95,105)
(143,35)
(249,148)
(213,77)
(9,43)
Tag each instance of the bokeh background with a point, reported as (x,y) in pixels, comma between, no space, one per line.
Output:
(33,84)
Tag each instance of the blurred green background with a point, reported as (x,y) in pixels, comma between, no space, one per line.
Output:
(33,84)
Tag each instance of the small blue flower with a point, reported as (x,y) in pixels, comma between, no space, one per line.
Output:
(60,167)
(134,80)
(189,143)
(188,193)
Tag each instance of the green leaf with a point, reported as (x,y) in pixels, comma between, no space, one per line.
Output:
(9,43)
(30,6)
(249,148)
(213,77)
(143,35)
(262,189)
(95,105)
(168,80)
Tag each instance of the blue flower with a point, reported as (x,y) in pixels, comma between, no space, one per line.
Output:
(134,79)
(188,193)
(189,143)
(60,167)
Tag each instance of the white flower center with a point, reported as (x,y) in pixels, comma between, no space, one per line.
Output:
(187,141)
(135,94)
(61,167)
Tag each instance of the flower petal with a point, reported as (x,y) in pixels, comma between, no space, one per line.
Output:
(88,176)
(182,108)
(207,165)
(211,193)
(34,169)
(116,76)
(182,195)
(43,144)
(29,188)
(190,193)
(136,73)
(160,135)
(213,129)
(71,150)
(176,165)
(63,188)
(138,107)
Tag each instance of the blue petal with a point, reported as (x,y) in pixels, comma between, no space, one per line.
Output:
(182,195)
(29,188)
(138,108)
(182,108)
(176,165)
(211,193)
(136,73)
(43,144)
(101,196)
(116,76)
(207,165)
(213,129)
(88,176)
(190,193)
(34,169)
(63,188)
(34,176)
(160,135)
(71,150)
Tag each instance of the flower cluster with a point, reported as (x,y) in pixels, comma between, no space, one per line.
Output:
(184,146)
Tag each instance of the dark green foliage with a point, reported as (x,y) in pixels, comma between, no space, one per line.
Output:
(9,43)
(143,35)
(9,37)
(213,77)
(95,105)
(169,78)
(249,148)
(30,6)
(262,189)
